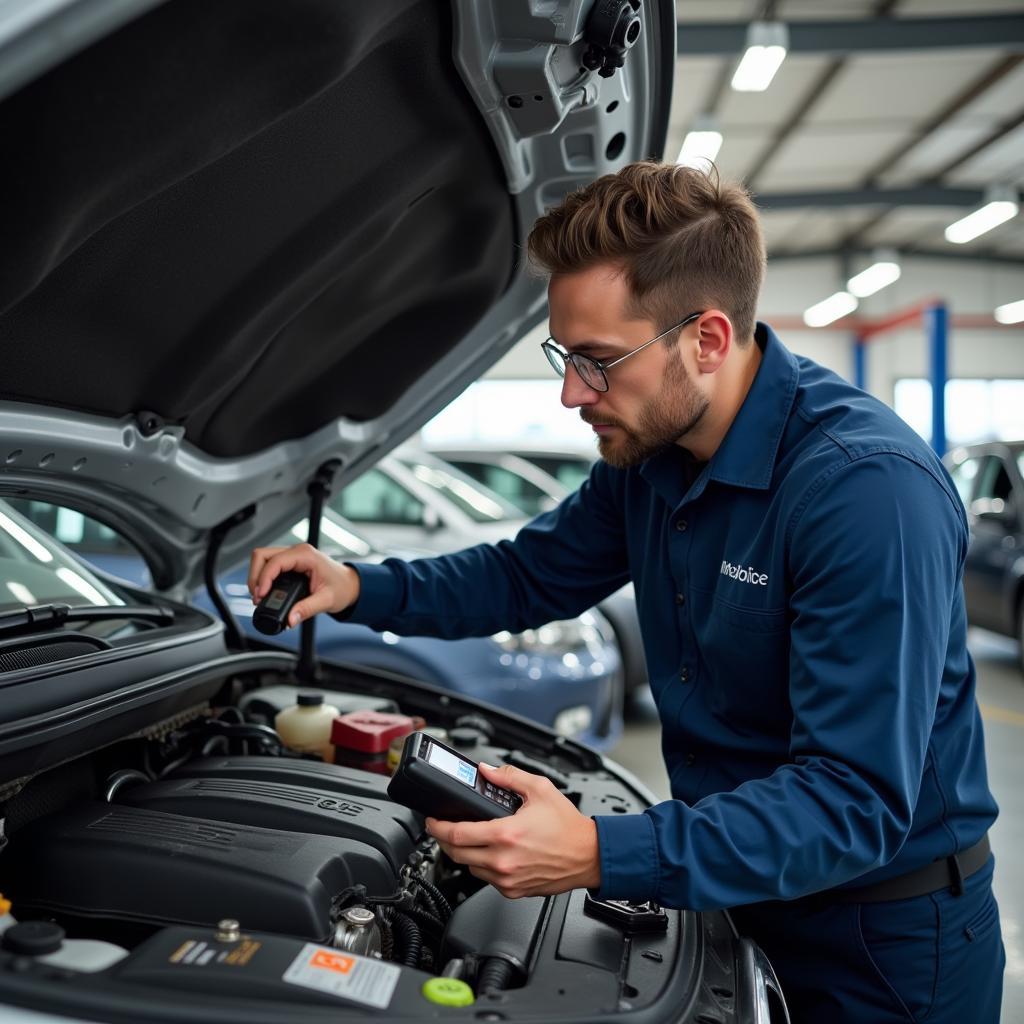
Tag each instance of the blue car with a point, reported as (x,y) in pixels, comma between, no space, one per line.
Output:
(565,675)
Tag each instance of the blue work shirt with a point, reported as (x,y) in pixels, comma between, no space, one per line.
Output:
(801,603)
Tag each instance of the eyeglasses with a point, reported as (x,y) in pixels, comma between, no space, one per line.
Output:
(592,372)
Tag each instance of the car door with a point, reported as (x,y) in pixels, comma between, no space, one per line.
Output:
(994,512)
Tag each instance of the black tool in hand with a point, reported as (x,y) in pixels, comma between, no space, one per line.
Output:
(271,614)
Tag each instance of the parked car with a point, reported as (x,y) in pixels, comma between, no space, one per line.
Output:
(566,675)
(414,498)
(569,466)
(248,248)
(990,480)
(525,485)
(534,490)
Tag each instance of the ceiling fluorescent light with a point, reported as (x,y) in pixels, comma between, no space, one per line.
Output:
(884,271)
(767,42)
(1011,312)
(1000,205)
(832,308)
(701,145)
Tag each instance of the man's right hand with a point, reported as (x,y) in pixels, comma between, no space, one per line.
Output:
(333,587)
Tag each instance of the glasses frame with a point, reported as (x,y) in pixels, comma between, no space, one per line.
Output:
(552,348)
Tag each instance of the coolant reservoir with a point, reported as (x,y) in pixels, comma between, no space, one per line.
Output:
(306,725)
(45,942)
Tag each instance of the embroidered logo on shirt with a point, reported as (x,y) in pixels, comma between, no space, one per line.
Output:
(745,575)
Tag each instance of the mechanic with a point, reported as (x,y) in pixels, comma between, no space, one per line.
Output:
(797,553)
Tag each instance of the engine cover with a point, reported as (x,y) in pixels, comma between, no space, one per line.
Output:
(379,824)
(135,865)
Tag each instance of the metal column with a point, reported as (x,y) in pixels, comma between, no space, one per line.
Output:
(936,321)
(860,363)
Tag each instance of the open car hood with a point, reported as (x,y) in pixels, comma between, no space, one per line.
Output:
(247,239)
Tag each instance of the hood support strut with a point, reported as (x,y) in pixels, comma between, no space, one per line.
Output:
(217,535)
(319,490)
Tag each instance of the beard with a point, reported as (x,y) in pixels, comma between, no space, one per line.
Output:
(672,413)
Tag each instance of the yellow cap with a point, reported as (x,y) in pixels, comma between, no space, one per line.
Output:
(448,992)
(5,904)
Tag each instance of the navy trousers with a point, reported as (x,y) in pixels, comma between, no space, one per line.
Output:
(934,959)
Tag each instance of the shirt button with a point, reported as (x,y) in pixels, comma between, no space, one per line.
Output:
(680,599)
(684,675)
(690,758)
(681,525)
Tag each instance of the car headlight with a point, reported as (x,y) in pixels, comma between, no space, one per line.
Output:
(555,639)
(572,721)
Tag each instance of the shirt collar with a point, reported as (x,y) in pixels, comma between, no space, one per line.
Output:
(746,456)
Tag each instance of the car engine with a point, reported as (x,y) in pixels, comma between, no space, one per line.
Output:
(204,859)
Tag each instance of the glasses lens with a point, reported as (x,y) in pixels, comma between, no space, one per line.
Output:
(592,374)
(555,358)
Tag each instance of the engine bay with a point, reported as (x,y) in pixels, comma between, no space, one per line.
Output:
(204,860)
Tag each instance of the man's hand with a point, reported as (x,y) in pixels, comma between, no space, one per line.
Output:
(332,587)
(546,847)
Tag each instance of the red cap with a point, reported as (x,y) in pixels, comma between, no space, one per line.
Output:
(369,732)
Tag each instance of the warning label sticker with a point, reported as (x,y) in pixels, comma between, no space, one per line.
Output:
(195,953)
(357,978)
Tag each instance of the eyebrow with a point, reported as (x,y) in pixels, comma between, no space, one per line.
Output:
(589,346)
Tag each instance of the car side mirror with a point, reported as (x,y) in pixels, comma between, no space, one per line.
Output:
(431,520)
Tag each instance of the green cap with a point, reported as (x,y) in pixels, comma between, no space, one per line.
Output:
(448,992)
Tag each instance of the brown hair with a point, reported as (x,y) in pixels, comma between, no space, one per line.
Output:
(683,239)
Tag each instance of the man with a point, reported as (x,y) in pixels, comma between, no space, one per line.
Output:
(797,554)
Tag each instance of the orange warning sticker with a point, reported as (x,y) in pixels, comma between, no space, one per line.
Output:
(332,961)
(359,979)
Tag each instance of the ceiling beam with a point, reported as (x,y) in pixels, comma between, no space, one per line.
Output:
(818,88)
(1003,129)
(977,88)
(980,85)
(914,195)
(865,35)
(983,256)
(813,95)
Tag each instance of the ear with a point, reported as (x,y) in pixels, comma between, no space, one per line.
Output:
(714,340)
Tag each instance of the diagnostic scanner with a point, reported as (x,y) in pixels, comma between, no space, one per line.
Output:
(437,781)
(271,614)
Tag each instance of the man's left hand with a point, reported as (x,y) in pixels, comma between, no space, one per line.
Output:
(546,847)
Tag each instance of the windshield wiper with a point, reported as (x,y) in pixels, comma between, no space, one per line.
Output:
(51,616)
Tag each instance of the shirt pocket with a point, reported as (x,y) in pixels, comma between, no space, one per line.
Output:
(747,654)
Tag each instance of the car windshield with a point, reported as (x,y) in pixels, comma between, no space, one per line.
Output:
(480,504)
(35,570)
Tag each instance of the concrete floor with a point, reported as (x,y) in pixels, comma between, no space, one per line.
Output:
(1001,695)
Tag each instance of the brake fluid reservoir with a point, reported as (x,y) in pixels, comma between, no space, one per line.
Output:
(306,725)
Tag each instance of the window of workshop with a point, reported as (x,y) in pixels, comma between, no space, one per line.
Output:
(976,410)
(508,411)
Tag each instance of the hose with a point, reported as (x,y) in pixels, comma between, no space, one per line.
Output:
(437,896)
(408,940)
(387,938)
(494,976)
(434,924)
(120,778)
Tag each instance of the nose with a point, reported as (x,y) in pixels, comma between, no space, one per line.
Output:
(574,392)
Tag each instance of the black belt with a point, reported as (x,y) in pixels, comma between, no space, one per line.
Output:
(946,873)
